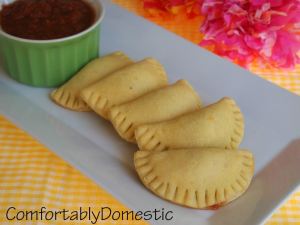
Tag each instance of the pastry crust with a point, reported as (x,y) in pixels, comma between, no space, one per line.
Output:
(218,125)
(124,85)
(197,178)
(68,95)
(159,105)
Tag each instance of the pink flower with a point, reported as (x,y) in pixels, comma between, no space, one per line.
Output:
(246,29)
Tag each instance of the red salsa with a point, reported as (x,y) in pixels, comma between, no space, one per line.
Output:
(216,206)
(46,19)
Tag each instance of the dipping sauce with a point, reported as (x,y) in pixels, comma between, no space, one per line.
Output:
(46,19)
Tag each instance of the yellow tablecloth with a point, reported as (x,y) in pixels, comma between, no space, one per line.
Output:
(31,176)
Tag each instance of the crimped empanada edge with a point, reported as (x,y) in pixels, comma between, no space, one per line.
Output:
(238,130)
(96,102)
(140,162)
(121,124)
(147,140)
(58,96)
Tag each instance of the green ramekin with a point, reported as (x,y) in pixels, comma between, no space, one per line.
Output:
(50,63)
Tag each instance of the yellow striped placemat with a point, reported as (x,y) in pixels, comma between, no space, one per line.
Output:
(32,177)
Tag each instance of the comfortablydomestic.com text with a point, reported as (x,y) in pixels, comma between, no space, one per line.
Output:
(86,214)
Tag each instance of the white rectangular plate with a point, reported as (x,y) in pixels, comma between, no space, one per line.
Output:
(91,145)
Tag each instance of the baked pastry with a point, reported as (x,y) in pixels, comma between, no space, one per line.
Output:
(218,125)
(158,105)
(124,85)
(68,95)
(197,178)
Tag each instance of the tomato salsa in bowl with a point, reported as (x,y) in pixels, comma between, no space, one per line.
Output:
(46,19)
(45,42)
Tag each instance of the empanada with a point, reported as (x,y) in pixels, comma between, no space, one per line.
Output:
(124,85)
(68,94)
(159,105)
(198,178)
(218,125)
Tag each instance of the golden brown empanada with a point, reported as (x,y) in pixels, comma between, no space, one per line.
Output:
(68,94)
(198,178)
(158,105)
(218,125)
(124,85)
